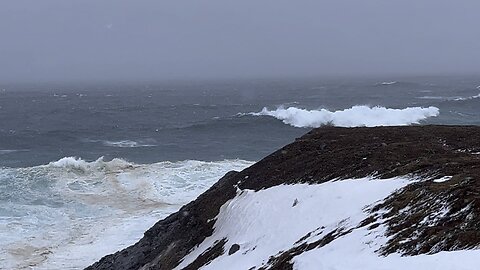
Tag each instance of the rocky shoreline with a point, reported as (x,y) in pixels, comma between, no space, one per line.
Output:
(451,153)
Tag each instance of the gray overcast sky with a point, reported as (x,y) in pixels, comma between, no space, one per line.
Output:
(141,39)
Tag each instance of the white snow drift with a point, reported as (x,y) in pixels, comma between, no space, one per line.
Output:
(352,117)
(270,221)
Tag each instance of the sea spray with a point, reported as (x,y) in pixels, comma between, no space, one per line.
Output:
(352,117)
(69,213)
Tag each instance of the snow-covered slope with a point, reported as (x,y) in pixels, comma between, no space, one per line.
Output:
(315,227)
(271,221)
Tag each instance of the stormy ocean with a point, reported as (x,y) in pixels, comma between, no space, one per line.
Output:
(85,169)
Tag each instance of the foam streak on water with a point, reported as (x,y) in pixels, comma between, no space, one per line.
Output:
(69,213)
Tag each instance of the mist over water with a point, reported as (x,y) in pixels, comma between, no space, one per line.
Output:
(118,40)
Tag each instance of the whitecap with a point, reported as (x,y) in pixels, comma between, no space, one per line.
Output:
(127,144)
(352,117)
(467,98)
(389,83)
(437,98)
(8,151)
(124,143)
(386,83)
(79,164)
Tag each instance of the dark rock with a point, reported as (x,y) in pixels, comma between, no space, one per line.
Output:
(295,202)
(234,248)
(283,259)
(206,257)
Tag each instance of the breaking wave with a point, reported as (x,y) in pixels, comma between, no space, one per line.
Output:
(126,144)
(455,98)
(68,213)
(398,84)
(352,117)
(387,83)
(467,98)
(75,163)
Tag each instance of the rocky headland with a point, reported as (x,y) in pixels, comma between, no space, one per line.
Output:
(435,207)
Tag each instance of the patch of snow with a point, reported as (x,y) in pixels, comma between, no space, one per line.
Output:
(467,151)
(351,252)
(265,223)
(269,222)
(433,218)
(443,179)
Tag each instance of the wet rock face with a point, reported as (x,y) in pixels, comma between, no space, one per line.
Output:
(441,215)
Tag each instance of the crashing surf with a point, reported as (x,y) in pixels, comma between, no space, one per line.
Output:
(54,215)
(353,117)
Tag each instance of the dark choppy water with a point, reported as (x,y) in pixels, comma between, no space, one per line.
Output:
(146,123)
(163,144)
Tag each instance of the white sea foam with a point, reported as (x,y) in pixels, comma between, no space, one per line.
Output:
(67,164)
(9,151)
(467,98)
(124,143)
(127,144)
(352,117)
(388,83)
(69,213)
(439,98)
(454,98)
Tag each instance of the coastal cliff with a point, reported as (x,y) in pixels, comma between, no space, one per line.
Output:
(406,191)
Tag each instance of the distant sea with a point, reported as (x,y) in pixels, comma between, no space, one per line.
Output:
(86,168)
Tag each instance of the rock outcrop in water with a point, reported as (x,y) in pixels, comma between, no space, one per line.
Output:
(440,211)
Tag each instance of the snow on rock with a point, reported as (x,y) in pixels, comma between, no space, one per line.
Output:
(442,179)
(260,227)
(273,220)
(353,251)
